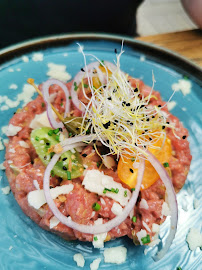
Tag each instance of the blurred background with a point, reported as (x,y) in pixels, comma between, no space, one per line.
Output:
(25,19)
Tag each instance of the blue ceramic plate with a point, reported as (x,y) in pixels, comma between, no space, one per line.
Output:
(23,245)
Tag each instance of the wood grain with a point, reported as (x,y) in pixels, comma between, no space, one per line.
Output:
(186,43)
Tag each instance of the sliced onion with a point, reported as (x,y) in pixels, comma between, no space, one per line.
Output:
(172,201)
(46,96)
(80,75)
(89,229)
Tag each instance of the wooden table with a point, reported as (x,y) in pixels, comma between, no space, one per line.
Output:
(186,43)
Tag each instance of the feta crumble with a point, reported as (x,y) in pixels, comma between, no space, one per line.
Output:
(115,255)
(58,72)
(25,58)
(95,264)
(53,222)
(13,86)
(116,209)
(171,105)
(194,239)
(12,130)
(2,167)
(79,259)
(165,210)
(23,144)
(182,85)
(6,190)
(37,57)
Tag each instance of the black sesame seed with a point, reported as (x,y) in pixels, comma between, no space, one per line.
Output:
(114,91)
(135,90)
(167,122)
(14,113)
(131,123)
(131,170)
(32,162)
(128,104)
(77,128)
(84,155)
(45,157)
(106,125)
(64,168)
(150,138)
(82,70)
(109,98)
(116,121)
(163,127)
(64,158)
(115,50)
(146,130)
(135,144)
(60,129)
(123,103)
(153,116)
(184,137)
(141,106)
(47,143)
(104,86)
(148,119)
(159,106)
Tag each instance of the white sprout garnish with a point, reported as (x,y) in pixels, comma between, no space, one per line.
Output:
(120,115)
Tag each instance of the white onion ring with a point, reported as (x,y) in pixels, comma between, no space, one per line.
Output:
(89,229)
(45,91)
(172,201)
(80,75)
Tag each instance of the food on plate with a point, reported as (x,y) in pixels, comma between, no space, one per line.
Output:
(98,158)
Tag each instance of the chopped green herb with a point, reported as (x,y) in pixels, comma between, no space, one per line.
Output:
(70,134)
(185,77)
(85,85)
(75,86)
(179,268)
(132,159)
(50,133)
(57,137)
(132,189)
(96,206)
(37,138)
(166,164)
(99,163)
(134,219)
(55,131)
(125,193)
(95,238)
(146,239)
(102,63)
(61,104)
(42,104)
(69,175)
(70,97)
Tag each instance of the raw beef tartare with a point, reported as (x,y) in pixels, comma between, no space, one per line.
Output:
(98,158)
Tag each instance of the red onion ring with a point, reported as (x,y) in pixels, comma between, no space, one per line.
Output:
(89,229)
(172,201)
(80,75)
(45,91)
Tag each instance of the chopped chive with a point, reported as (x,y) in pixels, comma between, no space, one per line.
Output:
(57,137)
(125,193)
(146,239)
(116,190)
(134,219)
(166,164)
(95,238)
(52,173)
(55,131)
(75,86)
(132,189)
(132,159)
(37,138)
(61,104)
(70,134)
(42,104)
(96,206)
(102,63)
(85,85)
(50,133)
(70,97)
(69,175)
(185,77)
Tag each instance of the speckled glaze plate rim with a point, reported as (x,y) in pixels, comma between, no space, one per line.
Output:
(152,52)
(165,56)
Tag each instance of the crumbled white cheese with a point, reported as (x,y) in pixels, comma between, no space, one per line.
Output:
(102,201)
(142,233)
(95,181)
(183,85)
(6,190)
(154,242)
(37,57)
(144,204)
(58,72)
(10,161)
(95,264)
(4,108)
(12,130)
(53,222)
(23,144)
(36,198)
(11,150)
(41,120)
(194,238)
(2,167)
(171,105)
(146,226)
(1,145)
(79,259)
(108,161)
(4,129)
(115,255)
(25,58)
(98,239)
(155,228)
(196,203)
(165,210)
(13,86)
(36,184)
(116,209)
